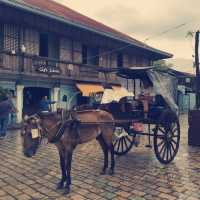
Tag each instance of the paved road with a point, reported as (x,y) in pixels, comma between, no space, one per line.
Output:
(138,174)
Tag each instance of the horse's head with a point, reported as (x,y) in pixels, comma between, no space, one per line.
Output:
(31,135)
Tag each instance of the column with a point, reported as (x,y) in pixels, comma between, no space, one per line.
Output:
(55,97)
(19,102)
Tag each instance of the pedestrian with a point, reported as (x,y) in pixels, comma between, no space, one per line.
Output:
(45,104)
(6,108)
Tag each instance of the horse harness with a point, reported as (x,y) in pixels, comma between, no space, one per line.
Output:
(62,125)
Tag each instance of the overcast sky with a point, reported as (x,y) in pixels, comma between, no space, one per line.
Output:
(142,19)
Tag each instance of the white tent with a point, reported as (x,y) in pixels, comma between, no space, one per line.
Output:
(115,94)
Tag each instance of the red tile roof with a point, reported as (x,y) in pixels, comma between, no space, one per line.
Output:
(56,9)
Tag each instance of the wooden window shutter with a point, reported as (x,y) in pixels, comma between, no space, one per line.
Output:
(11,37)
(31,41)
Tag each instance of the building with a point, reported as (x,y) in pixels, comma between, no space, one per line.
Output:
(49,49)
(186,98)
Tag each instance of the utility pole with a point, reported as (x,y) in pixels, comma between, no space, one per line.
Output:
(197,70)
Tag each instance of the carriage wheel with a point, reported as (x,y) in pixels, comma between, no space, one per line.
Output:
(123,142)
(167,137)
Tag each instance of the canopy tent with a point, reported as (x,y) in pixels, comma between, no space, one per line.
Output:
(115,94)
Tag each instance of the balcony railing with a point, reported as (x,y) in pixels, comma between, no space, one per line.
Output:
(35,65)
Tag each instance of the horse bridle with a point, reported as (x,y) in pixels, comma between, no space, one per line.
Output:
(43,132)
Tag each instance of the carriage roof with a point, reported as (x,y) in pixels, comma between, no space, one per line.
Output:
(163,83)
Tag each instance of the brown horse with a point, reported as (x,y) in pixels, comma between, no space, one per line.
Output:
(81,127)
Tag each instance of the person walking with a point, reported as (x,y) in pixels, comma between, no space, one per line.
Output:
(6,107)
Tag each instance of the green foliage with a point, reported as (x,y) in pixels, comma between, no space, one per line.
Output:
(161,65)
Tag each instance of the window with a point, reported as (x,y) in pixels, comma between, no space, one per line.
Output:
(84,54)
(53,46)
(90,55)
(11,34)
(44,52)
(31,41)
(120,60)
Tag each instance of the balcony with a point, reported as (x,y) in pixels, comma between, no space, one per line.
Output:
(35,66)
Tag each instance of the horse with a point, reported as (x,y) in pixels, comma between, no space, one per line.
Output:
(78,128)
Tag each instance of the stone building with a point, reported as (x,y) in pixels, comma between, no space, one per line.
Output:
(49,49)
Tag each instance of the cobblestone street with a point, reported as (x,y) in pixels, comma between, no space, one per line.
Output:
(138,174)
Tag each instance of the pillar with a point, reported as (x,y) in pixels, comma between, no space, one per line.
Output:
(55,97)
(19,102)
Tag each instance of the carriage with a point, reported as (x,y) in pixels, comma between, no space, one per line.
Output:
(156,110)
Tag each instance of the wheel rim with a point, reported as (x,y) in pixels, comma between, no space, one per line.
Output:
(166,142)
(123,142)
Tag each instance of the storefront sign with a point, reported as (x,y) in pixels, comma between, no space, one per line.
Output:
(48,69)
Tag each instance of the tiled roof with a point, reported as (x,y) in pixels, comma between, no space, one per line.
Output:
(63,12)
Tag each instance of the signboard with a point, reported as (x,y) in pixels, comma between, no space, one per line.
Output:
(48,69)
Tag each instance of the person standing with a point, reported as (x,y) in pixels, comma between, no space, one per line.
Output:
(6,107)
(45,104)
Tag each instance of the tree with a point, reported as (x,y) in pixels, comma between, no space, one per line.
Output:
(161,65)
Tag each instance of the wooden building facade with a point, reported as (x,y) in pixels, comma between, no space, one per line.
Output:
(47,48)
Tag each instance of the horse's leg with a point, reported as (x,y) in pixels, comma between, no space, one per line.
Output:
(63,169)
(112,168)
(105,151)
(108,138)
(68,169)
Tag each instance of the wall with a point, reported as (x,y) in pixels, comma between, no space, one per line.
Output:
(70,92)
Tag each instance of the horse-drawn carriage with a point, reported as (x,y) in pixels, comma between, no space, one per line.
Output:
(119,114)
(158,111)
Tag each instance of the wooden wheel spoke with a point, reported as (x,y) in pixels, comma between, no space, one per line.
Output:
(174,130)
(119,142)
(164,152)
(115,143)
(162,148)
(175,142)
(172,146)
(125,142)
(167,152)
(170,151)
(159,144)
(161,130)
(122,140)
(129,139)
(161,136)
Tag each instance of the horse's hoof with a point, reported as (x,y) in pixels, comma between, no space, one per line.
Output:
(60,186)
(103,172)
(67,191)
(111,172)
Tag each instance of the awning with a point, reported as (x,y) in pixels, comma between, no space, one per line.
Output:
(89,89)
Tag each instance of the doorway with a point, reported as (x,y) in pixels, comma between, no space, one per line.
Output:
(32,98)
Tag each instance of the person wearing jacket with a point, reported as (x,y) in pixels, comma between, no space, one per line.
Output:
(6,108)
